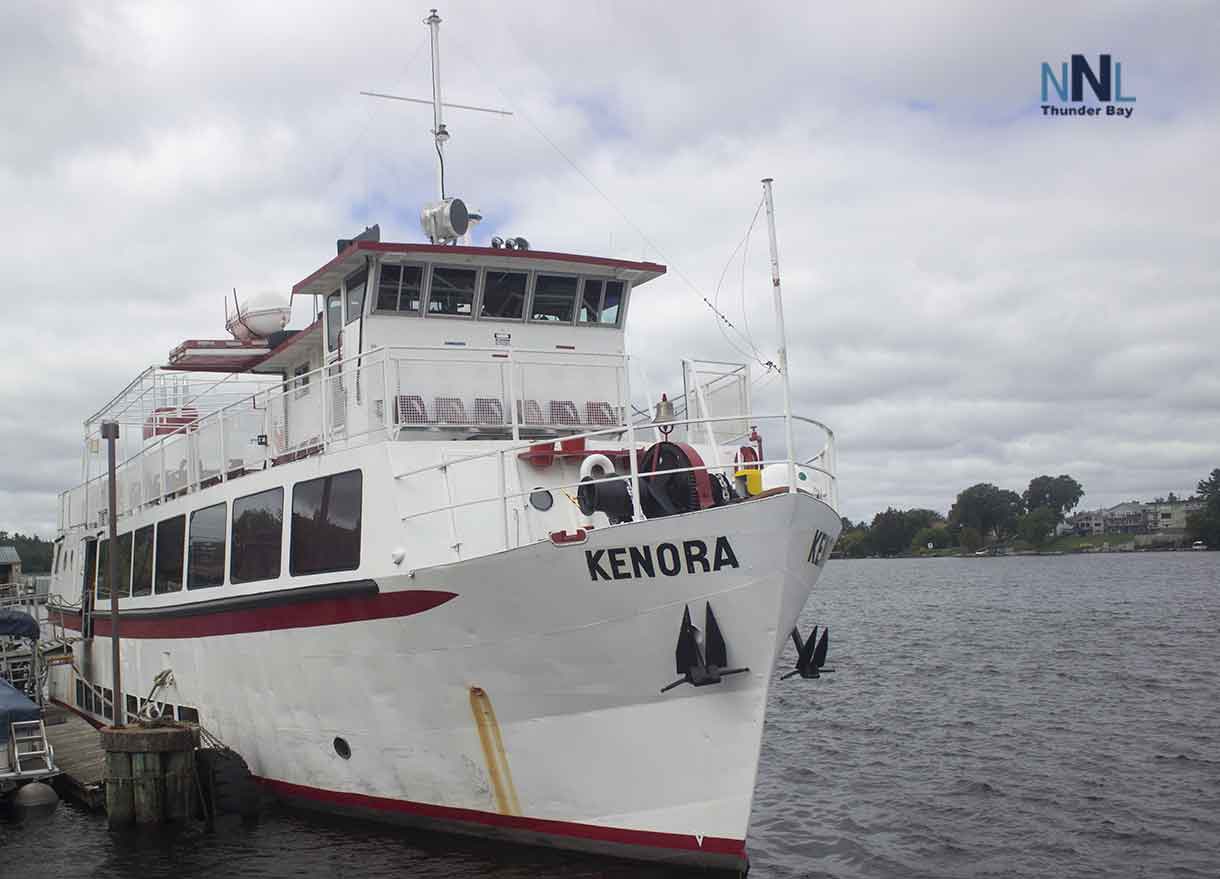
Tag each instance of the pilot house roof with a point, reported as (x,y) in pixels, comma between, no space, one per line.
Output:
(327,278)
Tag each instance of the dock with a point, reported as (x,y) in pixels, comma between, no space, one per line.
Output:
(79,755)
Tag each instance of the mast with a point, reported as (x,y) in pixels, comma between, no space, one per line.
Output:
(783,335)
(433,21)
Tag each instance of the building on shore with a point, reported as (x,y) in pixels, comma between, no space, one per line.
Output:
(10,565)
(1165,519)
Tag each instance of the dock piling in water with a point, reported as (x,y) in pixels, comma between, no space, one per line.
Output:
(149,772)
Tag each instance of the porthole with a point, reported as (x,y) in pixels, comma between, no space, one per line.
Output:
(342,748)
(541,499)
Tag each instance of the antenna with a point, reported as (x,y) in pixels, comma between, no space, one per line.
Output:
(439,133)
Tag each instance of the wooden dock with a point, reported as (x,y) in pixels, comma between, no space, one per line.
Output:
(79,755)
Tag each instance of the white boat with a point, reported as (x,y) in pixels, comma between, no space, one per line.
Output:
(1198,545)
(421,562)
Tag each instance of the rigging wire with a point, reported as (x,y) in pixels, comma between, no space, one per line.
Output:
(745,242)
(721,317)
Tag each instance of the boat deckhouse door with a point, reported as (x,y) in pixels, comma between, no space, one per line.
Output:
(333,398)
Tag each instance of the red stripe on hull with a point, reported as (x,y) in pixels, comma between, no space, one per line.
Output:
(303,615)
(711,851)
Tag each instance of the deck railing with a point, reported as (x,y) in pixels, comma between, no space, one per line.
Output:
(524,395)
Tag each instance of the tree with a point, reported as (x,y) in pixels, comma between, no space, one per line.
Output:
(1205,524)
(1036,525)
(987,509)
(938,537)
(1059,493)
(891,532)
(970,539)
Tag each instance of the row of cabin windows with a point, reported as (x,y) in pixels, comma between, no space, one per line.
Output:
(99,701)
(494,294)
(325,537)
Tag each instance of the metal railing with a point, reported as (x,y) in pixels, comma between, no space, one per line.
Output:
(523,395)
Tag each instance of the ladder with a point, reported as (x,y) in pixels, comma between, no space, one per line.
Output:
(30,744)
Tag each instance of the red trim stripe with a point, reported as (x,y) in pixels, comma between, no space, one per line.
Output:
(711,845)
(302,615)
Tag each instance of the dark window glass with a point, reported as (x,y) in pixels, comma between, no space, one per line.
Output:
(107,703)
(334,320)
(142,562)
(590,302)
(103,569)
(612,302)
(133,707)
(355,295)
(187,715)
(554,299)
(258,527)
(90,565)
(171,538)
(326,524)
(452,291)
(399,288)
(503,294)
(206,551)
(124,565)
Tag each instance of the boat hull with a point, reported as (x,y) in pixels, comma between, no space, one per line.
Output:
(514,696)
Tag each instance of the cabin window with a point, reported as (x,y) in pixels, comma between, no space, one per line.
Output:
(125,564)
(600,302)
(452,292)
(554,299)
(103,569)
(355,285)
(326,524)
(334,320)
(400,288)
(257,534)
(205,564)
(171,541)
(142,561)
(503,294)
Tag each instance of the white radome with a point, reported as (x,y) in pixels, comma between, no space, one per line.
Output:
(259,315)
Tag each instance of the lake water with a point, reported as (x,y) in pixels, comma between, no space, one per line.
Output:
(1014,717)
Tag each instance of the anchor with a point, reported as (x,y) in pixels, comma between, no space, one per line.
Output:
(704,664)
(810,655)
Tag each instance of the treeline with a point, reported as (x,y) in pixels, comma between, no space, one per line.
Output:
(1205,524)
(34,551)
(982,514)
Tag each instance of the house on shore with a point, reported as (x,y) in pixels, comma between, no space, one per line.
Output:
(10,565)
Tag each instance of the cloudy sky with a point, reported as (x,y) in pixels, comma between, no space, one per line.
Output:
(974,292)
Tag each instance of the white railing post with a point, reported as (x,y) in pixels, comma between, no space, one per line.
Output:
(224,459)
(504,499)
(389,407)
(510,368)
(637,512)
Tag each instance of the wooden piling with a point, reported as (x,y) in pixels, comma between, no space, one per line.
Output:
(137,760)
(120,803)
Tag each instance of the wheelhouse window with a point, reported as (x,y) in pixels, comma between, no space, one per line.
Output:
(400,288)
(171,540)
(554,299)
(600,302)
(503,295)
(334,320)
(326,524)
(257,534)
(142,561)
(355,286)
(452,292)
(205,564)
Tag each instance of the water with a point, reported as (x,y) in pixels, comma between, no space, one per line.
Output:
(1018,717)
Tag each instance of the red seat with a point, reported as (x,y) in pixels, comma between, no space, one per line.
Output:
(564,412)
(411,410)
(488,410)
(451,410)
(600,413)
(529,412)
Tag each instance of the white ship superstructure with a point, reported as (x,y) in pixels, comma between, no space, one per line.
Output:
(424,561)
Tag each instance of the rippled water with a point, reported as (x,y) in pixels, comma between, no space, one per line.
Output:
(1031,717)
